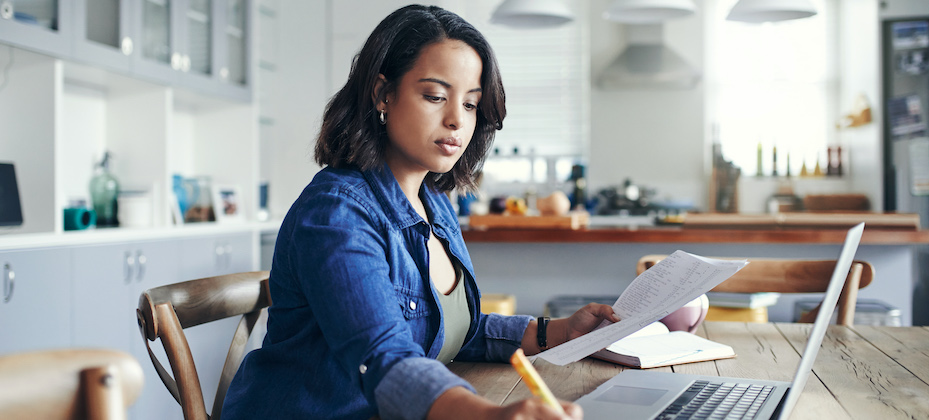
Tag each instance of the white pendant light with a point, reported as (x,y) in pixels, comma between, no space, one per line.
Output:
(532,13)
(648,11)
(759,11)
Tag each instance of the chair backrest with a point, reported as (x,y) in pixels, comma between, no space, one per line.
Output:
(165,311)
(791,276)
(68,384)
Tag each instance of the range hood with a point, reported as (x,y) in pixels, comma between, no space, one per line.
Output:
(647,63)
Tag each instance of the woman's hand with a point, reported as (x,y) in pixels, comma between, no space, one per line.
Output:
(452,403)
(561,330)
(535,408)
(586,319)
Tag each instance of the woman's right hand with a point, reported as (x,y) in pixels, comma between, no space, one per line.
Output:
(536,409)
(455,401)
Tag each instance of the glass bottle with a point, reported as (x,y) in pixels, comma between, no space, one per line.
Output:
(104,188)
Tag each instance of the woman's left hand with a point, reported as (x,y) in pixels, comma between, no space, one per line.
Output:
(586,319)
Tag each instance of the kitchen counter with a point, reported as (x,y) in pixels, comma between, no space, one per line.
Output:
(536,265)
(677,234)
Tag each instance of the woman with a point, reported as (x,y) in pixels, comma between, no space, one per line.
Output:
(372,287)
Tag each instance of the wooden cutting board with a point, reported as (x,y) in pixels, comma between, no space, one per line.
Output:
(573,220)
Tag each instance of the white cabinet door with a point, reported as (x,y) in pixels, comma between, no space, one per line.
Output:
(35,305)
(216,255)
(108,280)
(209,343)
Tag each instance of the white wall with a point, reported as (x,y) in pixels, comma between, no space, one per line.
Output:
(654,137)
(300,92)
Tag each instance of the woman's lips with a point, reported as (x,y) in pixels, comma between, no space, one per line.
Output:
(449,145)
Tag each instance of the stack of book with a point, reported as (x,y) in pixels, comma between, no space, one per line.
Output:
(741,307)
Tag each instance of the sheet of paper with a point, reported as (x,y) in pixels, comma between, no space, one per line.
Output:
(660,290)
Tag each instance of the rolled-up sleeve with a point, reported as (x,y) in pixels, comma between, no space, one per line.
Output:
(497,337)
(504,334)
(399,397)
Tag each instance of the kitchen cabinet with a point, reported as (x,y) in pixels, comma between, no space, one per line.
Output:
(108,280)
(200,45)
(205,257)
(39,25)
(216,255)
(102,33)
(35,304)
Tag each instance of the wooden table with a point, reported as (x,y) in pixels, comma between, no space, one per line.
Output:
(862,372)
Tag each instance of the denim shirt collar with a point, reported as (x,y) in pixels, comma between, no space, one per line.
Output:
(398,208)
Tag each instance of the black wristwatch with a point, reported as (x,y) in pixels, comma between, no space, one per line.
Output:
(541,334)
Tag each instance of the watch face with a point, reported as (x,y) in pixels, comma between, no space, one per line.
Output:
(11,213)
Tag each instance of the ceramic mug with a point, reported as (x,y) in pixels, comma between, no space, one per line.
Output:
(689,316)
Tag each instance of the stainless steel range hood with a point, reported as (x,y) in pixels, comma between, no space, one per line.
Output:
(647,63)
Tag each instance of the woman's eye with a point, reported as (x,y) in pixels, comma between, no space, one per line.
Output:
(469,106)
(433,98)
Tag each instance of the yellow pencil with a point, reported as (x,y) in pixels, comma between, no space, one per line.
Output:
(533,380)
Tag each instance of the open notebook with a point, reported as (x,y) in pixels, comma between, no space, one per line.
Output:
(643,394)
(655,346)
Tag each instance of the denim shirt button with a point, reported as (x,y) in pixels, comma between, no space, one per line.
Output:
(363,369)
(412,305)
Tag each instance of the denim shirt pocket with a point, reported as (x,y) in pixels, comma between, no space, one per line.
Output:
(418,313)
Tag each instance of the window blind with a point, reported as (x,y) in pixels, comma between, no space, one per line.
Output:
(546,77)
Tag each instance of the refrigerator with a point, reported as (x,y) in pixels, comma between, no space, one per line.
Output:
(905,94)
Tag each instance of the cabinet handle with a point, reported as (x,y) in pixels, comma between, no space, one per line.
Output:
(140,273)
(224,73)
(176,61)
(8,282)
(129,266)
(220,255)
(6,10)
(126,46)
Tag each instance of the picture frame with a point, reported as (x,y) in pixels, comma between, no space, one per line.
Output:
(227,204)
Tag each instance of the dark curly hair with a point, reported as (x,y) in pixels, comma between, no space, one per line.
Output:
(351,133)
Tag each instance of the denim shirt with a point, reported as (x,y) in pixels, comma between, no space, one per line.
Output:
(355,327)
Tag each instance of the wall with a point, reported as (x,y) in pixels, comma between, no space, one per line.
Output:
(654,137)
(300,92)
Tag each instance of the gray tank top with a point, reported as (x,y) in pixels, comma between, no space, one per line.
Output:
(456,317)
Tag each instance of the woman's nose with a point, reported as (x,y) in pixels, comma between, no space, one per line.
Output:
(453,118)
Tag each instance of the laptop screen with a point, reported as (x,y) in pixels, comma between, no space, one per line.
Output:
(11,213)
(839,274)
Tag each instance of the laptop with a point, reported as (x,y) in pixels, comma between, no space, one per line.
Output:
(11,212)
(643,394)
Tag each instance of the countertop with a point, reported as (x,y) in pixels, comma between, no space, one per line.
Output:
(678,234)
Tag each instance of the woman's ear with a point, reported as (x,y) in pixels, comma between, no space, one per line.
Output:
(379,95)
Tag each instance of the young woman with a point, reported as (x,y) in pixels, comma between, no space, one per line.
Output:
(373,290)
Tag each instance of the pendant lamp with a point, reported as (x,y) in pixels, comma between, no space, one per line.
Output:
(759,11)
(648,11)
(532,13)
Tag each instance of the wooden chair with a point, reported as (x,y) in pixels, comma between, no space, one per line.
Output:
(68,384)
(791,276)
(165,311)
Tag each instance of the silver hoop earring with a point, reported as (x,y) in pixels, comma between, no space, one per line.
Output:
(382,117)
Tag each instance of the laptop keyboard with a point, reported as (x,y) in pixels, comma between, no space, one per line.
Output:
(718,400)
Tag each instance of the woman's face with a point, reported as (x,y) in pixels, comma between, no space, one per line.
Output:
(433,111)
